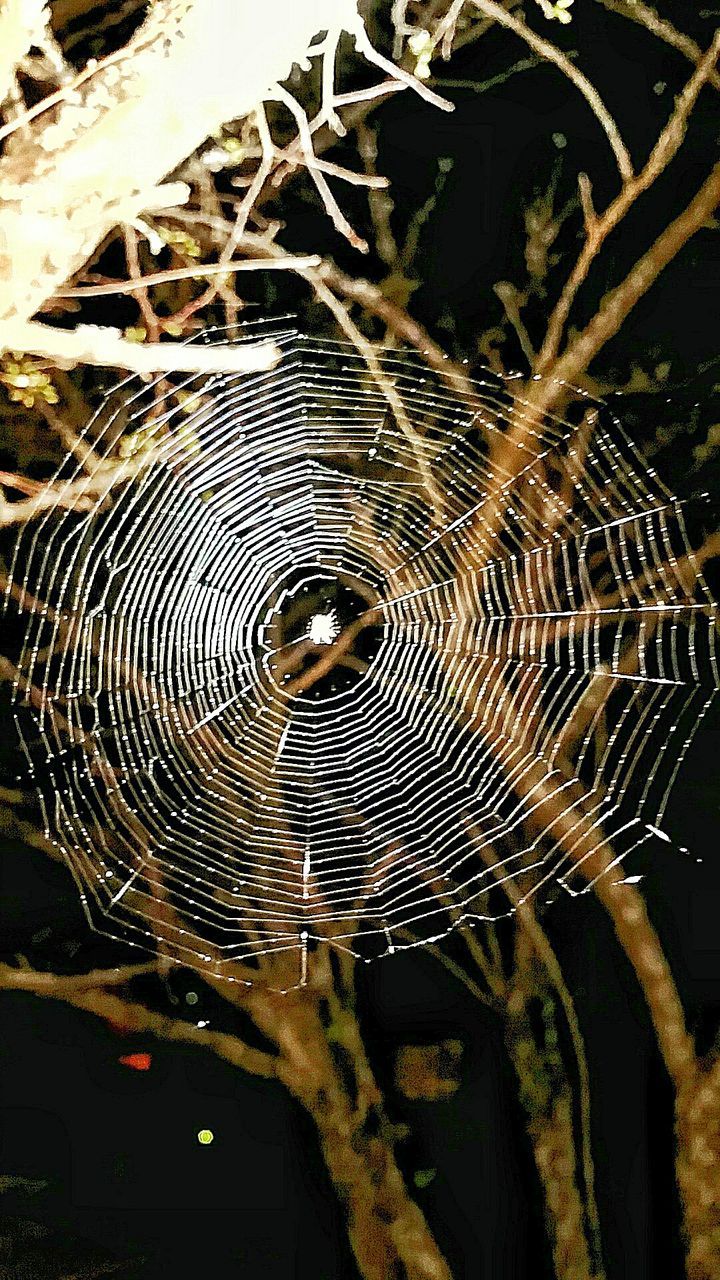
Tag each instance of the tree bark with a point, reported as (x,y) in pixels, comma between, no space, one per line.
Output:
(323,1064)
(96,159)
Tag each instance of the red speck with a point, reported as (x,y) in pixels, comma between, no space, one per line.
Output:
(137,1061)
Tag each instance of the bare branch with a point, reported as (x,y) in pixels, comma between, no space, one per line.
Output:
(512,302)
(89,344)
(331,205)
(397,73)
(92,995)
(552,54)
(617,305)
(286,262)
(598,228)
(645,16)
(113,137)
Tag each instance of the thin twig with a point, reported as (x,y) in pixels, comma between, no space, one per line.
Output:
(132,258)
(550,51)
(616,307)
(645,16)
(598,228)
(285,262)
(372,299)
(135,1017)
(511,301)
(305,137)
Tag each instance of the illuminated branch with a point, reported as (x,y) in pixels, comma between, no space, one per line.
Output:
(89,344)
(94,154)
(22,24)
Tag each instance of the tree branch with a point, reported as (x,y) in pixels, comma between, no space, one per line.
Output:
(598,228)
(645,16)
(89,344)
(90,992)
(552,54)
(65,184)
(618,304)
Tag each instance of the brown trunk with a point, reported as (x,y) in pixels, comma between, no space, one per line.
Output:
(698,1172)
(324,1065)
(554,1150)
(547,1099)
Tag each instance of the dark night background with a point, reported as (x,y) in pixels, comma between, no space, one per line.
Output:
(115,1153)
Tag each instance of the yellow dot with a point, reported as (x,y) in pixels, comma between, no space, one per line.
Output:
(205,1137)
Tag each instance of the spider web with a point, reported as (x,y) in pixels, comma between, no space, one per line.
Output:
(325,651)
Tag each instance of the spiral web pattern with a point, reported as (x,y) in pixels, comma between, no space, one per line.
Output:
(350,653)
